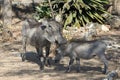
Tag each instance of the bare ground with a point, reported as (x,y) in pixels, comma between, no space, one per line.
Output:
(12,68)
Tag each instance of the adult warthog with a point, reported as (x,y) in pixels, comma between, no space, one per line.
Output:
(40,35)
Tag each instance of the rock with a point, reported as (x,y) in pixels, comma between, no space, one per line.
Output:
(105,28)
(114,22)
(116,7)
(111,75)
(58,18)
(93,29)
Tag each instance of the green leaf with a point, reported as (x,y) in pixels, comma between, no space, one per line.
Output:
(90,14)
(82,21)
(68,20)
(77,24)
(76,6)
(86,19)
(66,6)
(98,16)
(74,14)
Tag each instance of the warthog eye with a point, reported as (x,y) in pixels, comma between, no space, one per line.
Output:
(43,27)
(56,42)
(49,26)
(56,51)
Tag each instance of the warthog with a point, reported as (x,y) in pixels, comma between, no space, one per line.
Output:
(82,49)
(40,35)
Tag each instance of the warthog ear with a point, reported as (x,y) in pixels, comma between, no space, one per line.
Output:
(50,26)
(32,21)
(43,27)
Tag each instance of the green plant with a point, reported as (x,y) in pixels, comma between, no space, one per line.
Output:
(43,10)
(80,12)
(75,12)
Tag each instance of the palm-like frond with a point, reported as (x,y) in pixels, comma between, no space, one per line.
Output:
(75,12)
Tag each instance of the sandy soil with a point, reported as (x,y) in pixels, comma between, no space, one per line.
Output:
(12,68)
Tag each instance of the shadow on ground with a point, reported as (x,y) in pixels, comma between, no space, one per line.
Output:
(33,57)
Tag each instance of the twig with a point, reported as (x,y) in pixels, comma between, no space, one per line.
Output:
(51,8)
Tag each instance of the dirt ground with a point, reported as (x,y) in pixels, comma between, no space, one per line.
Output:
(12,68)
